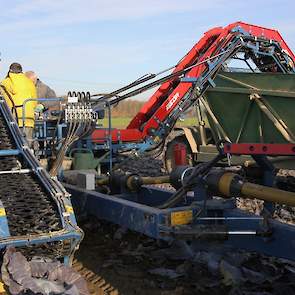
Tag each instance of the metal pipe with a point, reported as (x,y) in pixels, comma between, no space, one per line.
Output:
(19,171)
(230,218)
(231,185)
(278,123)
(155,180)
(201,124)
(266,108)
(58,99)
(268,194)
(240,232)
(134,181)
(214,119)
(277,116)
(159,81)
(4,153)
(226,183)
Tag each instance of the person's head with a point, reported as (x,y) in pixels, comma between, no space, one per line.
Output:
(15,68)
(32,76)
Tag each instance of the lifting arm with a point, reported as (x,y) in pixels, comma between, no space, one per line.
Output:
(195,73)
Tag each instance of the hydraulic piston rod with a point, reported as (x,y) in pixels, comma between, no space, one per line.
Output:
(133,182)
(227,184)
(231,185)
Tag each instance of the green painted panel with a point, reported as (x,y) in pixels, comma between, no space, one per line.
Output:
(230,102)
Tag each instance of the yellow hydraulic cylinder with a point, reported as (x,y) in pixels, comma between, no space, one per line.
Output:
(134,180)
(268,194)
(102,181)
(229,183)
(155,180)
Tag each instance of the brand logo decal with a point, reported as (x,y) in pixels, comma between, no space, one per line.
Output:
(172,101)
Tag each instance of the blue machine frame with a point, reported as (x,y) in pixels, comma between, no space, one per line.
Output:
(138,212)
(236,228)
(198,217)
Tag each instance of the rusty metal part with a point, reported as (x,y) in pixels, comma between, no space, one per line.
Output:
(269,194)
(190,138)
(96,284)
(134,182)
(156,180)
(227,184)
(102,181)
(201,124)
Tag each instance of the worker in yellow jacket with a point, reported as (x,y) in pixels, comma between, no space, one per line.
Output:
(16,89)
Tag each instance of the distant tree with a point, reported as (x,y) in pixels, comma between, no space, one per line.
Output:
(129,108)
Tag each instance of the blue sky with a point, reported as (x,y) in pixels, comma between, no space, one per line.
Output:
(101,45)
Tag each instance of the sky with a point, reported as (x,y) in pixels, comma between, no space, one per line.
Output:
(101,45)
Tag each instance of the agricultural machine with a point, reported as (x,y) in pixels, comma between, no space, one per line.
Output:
(244,114)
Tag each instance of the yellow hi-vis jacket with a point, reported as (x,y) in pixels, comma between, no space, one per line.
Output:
(19,88)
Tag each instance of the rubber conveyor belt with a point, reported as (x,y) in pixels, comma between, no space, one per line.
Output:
(30,209)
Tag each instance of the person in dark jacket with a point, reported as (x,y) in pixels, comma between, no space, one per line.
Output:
(43,90)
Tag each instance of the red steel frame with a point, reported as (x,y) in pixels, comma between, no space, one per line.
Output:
(284,149)
(167,97)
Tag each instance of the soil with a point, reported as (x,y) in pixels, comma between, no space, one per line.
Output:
(128,263)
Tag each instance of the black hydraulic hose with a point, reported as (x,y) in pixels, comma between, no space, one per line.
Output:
(155,83)
(159,81)
(135,83)
(147,87)
(166,78)
(141,80)
(199,170)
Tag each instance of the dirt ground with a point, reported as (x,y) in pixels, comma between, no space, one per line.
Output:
(128,263)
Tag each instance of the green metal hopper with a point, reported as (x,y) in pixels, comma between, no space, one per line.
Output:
(252,107)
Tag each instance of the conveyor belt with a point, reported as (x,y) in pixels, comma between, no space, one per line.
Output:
(30,209)
(6,141)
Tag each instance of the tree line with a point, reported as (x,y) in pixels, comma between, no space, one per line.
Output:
(129,108)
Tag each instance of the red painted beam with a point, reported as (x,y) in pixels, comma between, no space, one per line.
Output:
(271,149)
(199,48)
(118,135)
(169,94)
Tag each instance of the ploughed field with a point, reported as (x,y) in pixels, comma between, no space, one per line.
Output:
(117,261)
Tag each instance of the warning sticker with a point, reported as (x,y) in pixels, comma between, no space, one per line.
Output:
(69,209)
(181,217)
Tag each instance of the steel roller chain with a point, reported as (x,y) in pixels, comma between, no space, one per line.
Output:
(29,208)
